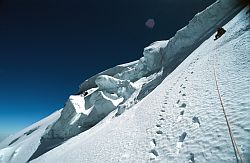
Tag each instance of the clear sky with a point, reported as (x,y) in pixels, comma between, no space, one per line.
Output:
(47,48)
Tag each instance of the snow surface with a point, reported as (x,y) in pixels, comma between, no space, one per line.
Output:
(162,127)
(20,146)
(202,26)
(179,121)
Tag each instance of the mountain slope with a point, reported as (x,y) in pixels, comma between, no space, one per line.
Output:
(20,146)
(150,130)
(181,120)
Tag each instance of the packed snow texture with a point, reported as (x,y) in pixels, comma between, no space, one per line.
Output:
(182,119)
(86,109)
(20,146)
(183,113)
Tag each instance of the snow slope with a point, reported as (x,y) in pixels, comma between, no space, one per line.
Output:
(182,119)
(202,26)
(179,121)
(20,146)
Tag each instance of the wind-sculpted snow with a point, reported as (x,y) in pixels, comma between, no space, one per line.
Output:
(153,55)
(123,88)
(90,83)
(105,102)
(73,111)
(76,117)
(182,119)
(202,26)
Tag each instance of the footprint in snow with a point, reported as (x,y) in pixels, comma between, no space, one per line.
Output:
(158,125)
(178,102)
(162,110)
(159,132)
(183,105)
(196,120)
(182,137)
(153,143)
(153,154)
(180,116)
(191,158)
(180,142)
(162,119)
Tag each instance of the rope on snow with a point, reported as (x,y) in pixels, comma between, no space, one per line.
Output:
(235,147)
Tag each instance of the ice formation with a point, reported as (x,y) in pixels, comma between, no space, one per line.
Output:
(112,92)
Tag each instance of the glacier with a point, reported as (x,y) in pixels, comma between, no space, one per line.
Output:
(161,108)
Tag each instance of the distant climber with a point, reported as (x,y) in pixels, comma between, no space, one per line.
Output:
(220,32)
(85,93)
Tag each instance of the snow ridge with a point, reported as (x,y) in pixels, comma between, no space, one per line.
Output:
(104,97)
(202,26)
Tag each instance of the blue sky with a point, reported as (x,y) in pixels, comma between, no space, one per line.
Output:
(47,48)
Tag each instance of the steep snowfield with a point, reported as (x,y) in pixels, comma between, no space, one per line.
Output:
(116,117)
(20,146)
(202,26)
(182,119)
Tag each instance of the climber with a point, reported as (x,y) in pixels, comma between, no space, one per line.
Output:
(86,93)
(220,32)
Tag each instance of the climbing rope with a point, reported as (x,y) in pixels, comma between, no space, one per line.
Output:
(235,147)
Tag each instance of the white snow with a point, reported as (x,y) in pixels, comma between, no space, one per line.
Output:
(20,146)
(78,103)
(153,55)
(123,88)
(181,120)
(150,131)
(90,83)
